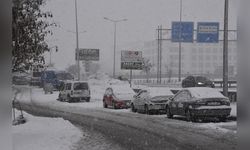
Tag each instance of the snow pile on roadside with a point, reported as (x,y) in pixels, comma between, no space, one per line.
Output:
(222,126)
(40,133)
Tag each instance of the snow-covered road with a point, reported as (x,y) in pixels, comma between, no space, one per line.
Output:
(132,130)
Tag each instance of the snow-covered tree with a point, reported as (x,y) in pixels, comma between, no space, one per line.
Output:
(30,26)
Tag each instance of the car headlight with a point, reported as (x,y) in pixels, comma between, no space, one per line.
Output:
(200,83)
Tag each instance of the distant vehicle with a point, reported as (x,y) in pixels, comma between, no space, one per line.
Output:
(199,103)
(19,78)
(55,77)
(36,71)
(118,96)
(153,99)
(74,91)
(197,81)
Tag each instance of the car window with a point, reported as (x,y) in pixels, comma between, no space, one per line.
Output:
(182,96)
(68,86)
(109,91)
(81,86)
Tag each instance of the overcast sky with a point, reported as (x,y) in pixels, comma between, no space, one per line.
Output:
(143,18)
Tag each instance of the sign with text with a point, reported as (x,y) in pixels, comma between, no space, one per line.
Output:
(89,54)
(208,32)
(182,32)
(131,60)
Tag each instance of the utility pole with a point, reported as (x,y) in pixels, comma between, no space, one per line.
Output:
(77,43)
(115,22)
(180,41)
(225,50)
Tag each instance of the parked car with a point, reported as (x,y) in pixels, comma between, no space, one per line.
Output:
(153,99)
(118,96)
(19,78)
(199,103)
(197,81)
(74,91)
(55,77)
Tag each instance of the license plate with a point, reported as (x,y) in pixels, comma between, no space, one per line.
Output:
(213,103)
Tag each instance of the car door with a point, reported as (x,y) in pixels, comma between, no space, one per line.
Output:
(174,103)
(109,96)
(182,102)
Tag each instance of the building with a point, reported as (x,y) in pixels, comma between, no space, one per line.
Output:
(197,58)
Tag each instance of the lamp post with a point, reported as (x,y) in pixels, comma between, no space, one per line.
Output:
(114,22)
(225,50)
(180,41)
(77,43)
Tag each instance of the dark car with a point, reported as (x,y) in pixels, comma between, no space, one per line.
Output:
(197,81)
(199,103)
(21,78)
(118,97)
(55,77)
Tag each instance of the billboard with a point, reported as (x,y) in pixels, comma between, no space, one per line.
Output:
(208,32)
(131,60)
(182,32)
(89,54)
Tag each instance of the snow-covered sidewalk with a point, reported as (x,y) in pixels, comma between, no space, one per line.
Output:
(40,133)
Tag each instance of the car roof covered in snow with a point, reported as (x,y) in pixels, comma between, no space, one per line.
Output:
(122,89)
(159,91)
(205,92)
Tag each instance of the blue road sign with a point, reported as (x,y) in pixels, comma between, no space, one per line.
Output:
(208,32)
(182,31)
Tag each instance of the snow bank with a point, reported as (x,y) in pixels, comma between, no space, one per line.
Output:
(40,133)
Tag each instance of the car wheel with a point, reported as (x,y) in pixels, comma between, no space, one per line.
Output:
(69,99)
(146,110)
(189,116)
(104,105)
(60,97)
(168,111)
(223,119)
(88,99)
(133,108)
(114,105)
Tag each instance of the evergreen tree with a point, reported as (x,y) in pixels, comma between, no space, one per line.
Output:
(30,26)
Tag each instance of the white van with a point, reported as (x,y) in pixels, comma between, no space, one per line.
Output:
(74,91)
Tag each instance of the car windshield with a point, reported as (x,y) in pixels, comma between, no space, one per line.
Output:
(80,86)
(50,75)
(201,79)
(205,93)
(64,76)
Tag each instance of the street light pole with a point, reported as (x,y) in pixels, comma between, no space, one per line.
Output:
(225,50)
(114,49)
(115,22)
(180,41)
(77,42)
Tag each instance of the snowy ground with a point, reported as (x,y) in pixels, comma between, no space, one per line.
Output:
(95,115)
(40,133)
